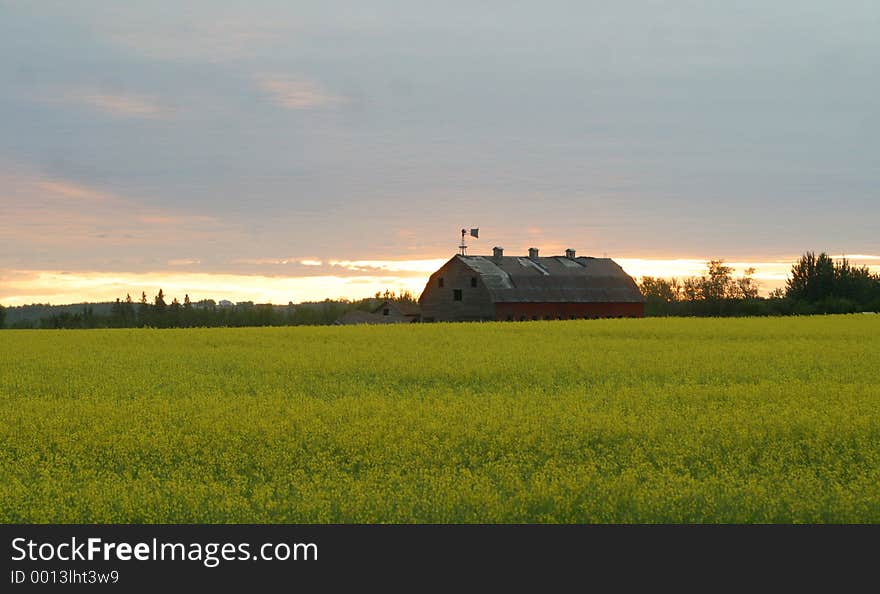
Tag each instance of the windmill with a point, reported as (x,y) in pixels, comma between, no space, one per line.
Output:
(462,248)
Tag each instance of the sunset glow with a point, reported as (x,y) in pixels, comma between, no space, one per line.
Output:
(364,279)
(302,151)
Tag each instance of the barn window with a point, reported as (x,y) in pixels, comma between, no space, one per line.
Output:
(440,282)
(386,311)
(473,281)
(456,294)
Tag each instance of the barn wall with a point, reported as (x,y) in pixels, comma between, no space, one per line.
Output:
(394,314)
(566,311)
(438,304)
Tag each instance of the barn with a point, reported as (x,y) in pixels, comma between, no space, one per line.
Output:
(518,288)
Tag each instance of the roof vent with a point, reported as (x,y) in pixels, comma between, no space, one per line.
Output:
(569,253)
(497,253)
(533,253)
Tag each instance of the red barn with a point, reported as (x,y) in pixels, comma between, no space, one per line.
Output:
(499,287)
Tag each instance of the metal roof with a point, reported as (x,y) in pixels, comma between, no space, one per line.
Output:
(515,279)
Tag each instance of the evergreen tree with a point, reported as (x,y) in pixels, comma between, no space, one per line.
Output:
(117,313)
(128,309)
(159,302)
(143,310)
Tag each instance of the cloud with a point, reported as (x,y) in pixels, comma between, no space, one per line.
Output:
(58,287)
(278,261)
(115,104)
(263,261)
(349,268)
(398,266)
(853,258)
(58,218)
(76,193)
(184,262)
(198,40)
(298,94)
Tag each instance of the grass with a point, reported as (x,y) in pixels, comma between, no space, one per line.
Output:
(653,420)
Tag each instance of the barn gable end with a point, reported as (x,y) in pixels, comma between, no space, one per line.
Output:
(450,295)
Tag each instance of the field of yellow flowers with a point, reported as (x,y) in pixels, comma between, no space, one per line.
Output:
(652,420)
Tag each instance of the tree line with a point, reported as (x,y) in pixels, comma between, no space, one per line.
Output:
(158,312)
(817,284)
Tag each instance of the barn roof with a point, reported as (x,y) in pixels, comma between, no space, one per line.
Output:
(404,307)
(518,279)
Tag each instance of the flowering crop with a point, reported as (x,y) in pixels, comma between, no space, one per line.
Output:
(651,420)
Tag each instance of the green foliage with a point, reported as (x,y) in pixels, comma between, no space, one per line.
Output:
(812,278)
(404,296)
(716,293)
(839,285)
(652,420)
(717,285)
(2,315)
(205,313)
(817,284)
(661,290)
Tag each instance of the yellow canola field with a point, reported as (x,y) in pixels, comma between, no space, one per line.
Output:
(651,420)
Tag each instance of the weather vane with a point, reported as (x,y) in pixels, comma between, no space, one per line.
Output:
(462,249)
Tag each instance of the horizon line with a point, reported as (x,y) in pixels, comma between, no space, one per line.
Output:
(314,279)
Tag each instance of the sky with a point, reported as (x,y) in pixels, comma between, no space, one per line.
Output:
(290,151)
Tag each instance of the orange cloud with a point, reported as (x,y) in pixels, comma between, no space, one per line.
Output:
(292,93)
(380,267)
(22,287)
(44,212)
(398,266)
(113,103)
(184,262)
(69,190)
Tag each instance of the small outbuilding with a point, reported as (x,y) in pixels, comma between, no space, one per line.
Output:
(398,311)
(383,312)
